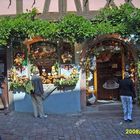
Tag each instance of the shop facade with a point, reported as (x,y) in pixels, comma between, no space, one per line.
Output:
(58,64)
(94,67)
(79,70)
(107,58)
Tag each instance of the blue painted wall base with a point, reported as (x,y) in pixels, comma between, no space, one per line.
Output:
(56,103)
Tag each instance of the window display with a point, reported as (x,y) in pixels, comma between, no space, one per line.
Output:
(69,76)
(67,53)
(49,59)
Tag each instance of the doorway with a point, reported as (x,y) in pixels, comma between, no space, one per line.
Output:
(108,77)
(3,70)
(113,56)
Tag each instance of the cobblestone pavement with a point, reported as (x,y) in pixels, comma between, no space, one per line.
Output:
(82,126)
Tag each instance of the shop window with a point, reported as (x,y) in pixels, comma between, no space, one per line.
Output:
(20,59)
(66,53)
(44,55)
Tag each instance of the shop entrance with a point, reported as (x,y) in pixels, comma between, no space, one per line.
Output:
(3,69)
(108,76)
(3,66)
(107,60)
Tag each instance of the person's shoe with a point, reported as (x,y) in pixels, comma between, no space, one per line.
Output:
(6,111)
(129,120)
(126,120)
(43,116)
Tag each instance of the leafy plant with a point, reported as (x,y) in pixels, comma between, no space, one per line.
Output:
(74,28)
(67,82)
(19,83)
(124,20)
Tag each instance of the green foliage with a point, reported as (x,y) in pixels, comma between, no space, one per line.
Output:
(16,85)
(43,28)
(74,28)
(124,20)
(107,28)
(25,26)
(116,14)
(72,81)
(5,29)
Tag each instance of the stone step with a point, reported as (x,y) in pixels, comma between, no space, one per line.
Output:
(109,109)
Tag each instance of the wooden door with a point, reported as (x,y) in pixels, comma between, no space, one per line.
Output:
(109,71)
